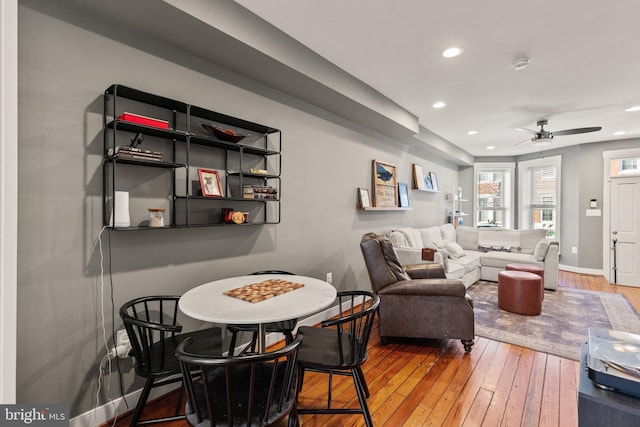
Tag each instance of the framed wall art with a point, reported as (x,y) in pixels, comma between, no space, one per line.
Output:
(385,185)
(418,178)
(363,198)
(210,183)
(434,181)
(403,195)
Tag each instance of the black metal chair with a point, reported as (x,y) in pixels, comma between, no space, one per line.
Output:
(247,390)
(340,347)
(151,323)
(285,327)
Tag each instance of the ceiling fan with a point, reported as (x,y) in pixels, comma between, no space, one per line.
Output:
(544,137)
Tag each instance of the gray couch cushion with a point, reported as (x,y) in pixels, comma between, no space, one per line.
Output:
(467,237)
(540,250)
(448,233)
(430,235)
(470,261)
(501,259)
(499,238)
(530,238)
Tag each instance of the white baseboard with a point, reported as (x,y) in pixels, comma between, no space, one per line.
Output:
(580,270)
(108,411)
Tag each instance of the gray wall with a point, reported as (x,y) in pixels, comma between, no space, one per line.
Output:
(66,60)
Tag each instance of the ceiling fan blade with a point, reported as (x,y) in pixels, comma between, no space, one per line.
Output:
(578,130)
(534,132)
(520,143)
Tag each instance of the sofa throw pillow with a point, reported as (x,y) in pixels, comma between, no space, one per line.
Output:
(454,249)
(540,250)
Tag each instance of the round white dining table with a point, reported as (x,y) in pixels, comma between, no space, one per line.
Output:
(207,302)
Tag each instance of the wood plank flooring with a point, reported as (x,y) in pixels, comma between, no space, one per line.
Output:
(423,383)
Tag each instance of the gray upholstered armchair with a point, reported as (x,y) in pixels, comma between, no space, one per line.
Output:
(416,301)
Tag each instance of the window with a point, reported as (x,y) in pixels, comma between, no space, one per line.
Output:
(493,194)
(625,167)
(539,184)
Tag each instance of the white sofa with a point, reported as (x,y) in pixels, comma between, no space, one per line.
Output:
(473,254)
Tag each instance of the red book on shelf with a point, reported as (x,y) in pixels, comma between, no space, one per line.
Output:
(144,120)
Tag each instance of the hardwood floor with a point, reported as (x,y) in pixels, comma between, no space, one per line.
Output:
(418,383)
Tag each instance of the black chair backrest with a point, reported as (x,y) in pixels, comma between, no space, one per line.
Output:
(150,322)
(254,389)
(354,325)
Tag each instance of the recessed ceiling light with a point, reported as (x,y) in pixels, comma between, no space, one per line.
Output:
(472,132)
(439,104)
(452,52)
(620,132)
(632,109)
(491,147)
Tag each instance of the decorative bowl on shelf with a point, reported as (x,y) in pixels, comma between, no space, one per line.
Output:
(223,134)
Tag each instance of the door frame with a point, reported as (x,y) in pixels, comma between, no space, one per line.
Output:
(606,207)
(8,197)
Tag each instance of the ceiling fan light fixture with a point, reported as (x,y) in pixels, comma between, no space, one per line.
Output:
(521,63)
(542,142)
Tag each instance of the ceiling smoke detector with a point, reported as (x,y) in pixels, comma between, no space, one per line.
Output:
(521,64)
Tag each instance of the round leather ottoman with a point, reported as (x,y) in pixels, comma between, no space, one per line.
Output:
(520,292)
(531,268)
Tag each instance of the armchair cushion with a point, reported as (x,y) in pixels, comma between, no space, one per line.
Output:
(381,261)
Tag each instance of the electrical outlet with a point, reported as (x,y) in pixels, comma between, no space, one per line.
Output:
(329,278)
(122,338)
(574,249)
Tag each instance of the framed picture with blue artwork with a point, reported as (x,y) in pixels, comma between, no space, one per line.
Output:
(385,185)
(403,195)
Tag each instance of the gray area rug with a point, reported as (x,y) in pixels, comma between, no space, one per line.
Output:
(563,325)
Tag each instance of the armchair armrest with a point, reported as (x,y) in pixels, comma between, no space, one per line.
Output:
(433,287)
(429,270)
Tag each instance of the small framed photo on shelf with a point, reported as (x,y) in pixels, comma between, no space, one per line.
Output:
(210,183)
(403,195)
(363,198)
(434,181)
(385,185)
(418,178)
(428,185)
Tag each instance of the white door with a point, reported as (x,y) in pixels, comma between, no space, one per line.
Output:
(625,230)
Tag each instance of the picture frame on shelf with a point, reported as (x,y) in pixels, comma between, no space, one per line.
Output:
(418,178)
(403,195)
(428,185)
(210,183)
(434,181)
(385,185)
(364,201)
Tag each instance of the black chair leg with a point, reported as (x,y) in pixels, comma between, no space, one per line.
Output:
(364,382)
(232,344)
(362,398)
(142,401)
(293,418)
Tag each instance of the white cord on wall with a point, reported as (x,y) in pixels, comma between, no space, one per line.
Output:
(109,353)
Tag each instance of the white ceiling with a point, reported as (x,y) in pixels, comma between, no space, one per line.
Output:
(584,70)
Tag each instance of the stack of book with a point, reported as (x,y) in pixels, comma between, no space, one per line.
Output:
(126,152)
